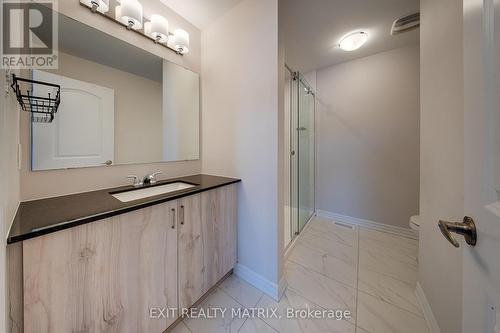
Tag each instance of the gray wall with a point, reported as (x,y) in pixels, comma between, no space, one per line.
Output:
(442,157)
(368,137)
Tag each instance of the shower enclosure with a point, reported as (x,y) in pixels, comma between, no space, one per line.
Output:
(300,140)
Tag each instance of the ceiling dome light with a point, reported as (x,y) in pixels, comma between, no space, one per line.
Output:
(353,41)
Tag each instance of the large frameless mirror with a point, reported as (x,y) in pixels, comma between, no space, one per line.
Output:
(119,105)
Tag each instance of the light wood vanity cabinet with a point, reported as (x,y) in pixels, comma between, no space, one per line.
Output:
(190,265)
(102,276)
(105,276)
(219,233)
(207,241)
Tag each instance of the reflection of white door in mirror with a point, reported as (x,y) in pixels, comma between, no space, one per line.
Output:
(65,143)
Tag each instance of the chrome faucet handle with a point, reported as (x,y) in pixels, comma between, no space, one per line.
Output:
(154,174)
(151,178)
(137,182)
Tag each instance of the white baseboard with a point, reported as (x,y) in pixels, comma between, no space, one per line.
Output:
(426,310)
(258,281)
(409,233)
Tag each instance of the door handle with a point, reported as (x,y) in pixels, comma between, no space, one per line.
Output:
(182,214)
(467,229)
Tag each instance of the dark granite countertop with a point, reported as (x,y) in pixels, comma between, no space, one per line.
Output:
(44,216)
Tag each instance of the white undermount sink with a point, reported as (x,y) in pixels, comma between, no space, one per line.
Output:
(142,193)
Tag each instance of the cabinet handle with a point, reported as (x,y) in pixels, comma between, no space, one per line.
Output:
(182,214)
(173,218)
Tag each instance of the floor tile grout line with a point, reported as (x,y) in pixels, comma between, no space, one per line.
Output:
(357,290)
(227,294)
(412,285)
(265,323)
(326,276)
(306,298)
(377,297)
(338,238)
(321,235)
(231,297)
(390,303)
(264,319)
(243,281)
(244,321)
(341,282)
(389,276)
(314,303)
(260,298)
(186,326)
(396,260)
(244,307)
(322,252)
(388,233)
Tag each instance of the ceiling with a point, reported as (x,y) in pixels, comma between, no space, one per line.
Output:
(312,29)
(83,41)
(200,12)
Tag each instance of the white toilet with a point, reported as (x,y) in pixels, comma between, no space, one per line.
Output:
(415,223)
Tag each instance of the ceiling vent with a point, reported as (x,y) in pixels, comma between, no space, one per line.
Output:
(405,23)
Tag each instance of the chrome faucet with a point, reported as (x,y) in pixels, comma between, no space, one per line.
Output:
(149,179)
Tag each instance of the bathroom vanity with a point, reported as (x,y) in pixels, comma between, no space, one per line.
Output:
(89,262)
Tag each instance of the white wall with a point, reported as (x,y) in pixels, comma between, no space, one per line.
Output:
(59,182)
(442,157)
(240,127)
(368,137)
(9,181)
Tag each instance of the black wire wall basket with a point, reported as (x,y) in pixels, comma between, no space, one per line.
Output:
(42,108)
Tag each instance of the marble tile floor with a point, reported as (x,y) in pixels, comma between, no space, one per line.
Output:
(332,266)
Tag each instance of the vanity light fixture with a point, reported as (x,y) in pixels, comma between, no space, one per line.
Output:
(353,41)
(181,41)
(130,14)
(101,6)
(158,28)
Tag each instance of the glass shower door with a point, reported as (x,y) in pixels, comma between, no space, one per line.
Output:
(305,153)
(294,156)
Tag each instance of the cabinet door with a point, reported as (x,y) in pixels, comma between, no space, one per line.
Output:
(219,232)
(102,276)
(191,265)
